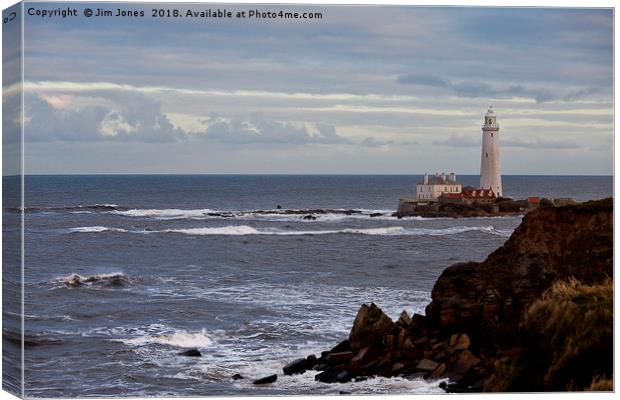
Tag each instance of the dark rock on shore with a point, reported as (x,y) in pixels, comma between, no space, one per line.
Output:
(237,377)
(536,315)
(298,366)
(191,353)
(266,380)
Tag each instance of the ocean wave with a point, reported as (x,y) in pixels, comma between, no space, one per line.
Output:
(178,339)
(95,229)
(78,208)
(242,230)
(114,279)
(306,215)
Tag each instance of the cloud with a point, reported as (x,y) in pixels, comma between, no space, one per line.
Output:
(480,89)
(261,130)
(459,140)
(541,144)
(135,117)
(131,117)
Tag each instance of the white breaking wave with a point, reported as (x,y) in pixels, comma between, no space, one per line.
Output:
(179,339)
(332,215)
(241,230)
(168,213)
(95,229)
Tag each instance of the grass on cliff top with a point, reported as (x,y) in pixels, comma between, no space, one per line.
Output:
(602,204)
(567,339)
(572,324)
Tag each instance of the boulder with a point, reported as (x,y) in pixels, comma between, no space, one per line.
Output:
(370,327)
(461,342)
(427,365)
(237,377)
(465,362)
(191,353)
(342,346)
(339,358)
(333,375)
(298,366)
(437,372)
(311,361)
(266,380)
(404,320)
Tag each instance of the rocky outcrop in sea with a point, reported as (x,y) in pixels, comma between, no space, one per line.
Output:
(536,315)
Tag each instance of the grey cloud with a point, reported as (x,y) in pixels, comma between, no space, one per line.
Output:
(426,80)
(372,142)
(459,140)
(135,117)
(541,144)
(475,89)
(260,130)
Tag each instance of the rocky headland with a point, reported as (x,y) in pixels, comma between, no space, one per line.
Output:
(536,315)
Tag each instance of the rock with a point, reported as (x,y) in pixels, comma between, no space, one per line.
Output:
(321,366)
(420,340)
(343,377)
(191,353)
(298,366)
(309,217)
(362,355)
(266,380)
(462,342)
(427,365)
(237,377)
(404,320)
(371,325)
(311,361)
(465,361)
(333,375)
(345,345)
(378,214)
(339,358)
(397,366)
(437,372)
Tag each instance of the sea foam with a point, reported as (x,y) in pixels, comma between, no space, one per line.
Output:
(178,339)
(241,230)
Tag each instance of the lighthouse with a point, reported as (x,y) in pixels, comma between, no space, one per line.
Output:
(490,172)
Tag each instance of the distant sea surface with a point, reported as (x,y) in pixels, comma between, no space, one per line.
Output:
(124,272)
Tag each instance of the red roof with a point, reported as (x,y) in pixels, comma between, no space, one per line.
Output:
(452,195)
(471,193)
(533,199)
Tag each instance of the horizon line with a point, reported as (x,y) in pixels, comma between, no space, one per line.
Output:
(278,174)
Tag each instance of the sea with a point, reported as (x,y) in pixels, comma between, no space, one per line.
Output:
(124,272)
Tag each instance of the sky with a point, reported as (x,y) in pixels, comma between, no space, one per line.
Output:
(362,90)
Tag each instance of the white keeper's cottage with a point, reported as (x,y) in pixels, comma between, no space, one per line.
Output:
(434,186)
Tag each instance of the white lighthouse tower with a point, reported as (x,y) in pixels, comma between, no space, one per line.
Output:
(490,172)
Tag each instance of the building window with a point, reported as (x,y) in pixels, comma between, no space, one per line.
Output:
(486,155)
(491,134)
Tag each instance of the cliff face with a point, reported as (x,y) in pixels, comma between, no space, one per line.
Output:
(551,244)
(519,309)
